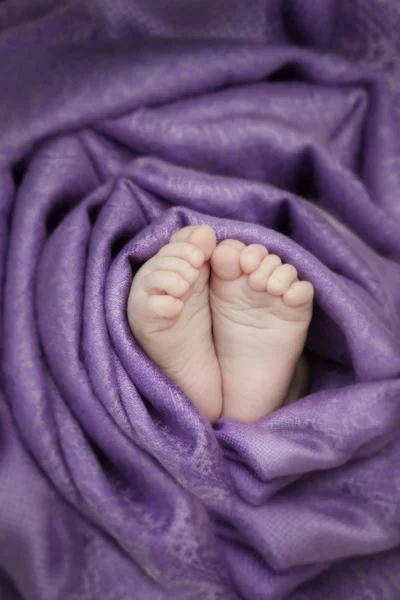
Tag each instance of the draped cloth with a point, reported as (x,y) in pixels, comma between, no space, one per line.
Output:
(121,121)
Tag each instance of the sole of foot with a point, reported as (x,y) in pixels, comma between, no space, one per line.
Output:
(169,315)
(261,313)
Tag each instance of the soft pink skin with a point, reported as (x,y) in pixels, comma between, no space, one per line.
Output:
(255,307)
(169,314)
(261,313)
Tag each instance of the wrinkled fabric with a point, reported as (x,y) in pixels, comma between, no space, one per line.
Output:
(276,122)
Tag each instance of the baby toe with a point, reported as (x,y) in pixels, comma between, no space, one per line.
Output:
(166,282)
(225,260)
(251,257)
(166,307)
(182,235)
(200,236)
(193,255)
(300,293)
(204,237)
(259,278)
(177,265)
(281,278)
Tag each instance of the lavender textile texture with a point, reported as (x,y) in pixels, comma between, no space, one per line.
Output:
(276,122)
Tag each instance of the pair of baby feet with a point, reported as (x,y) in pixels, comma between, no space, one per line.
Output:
(226,322)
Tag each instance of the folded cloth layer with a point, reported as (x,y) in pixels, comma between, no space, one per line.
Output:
(276,123)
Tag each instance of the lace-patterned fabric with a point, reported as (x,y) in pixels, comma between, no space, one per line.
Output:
(276,122)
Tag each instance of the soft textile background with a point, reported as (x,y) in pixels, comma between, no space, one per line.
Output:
(276,122)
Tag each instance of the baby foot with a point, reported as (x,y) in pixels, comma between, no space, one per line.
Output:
(169,315)
(261,313)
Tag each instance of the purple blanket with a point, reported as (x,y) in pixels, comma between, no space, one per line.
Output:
(276,122)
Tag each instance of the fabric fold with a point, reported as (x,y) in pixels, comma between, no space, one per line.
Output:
(120,124)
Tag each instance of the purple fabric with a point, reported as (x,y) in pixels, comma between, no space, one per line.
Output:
(276,122)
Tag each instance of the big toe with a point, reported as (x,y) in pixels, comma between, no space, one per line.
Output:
(225,261)
(201,236)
